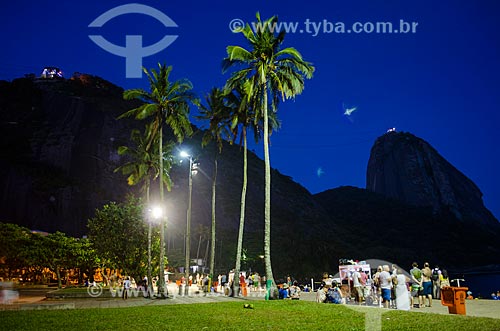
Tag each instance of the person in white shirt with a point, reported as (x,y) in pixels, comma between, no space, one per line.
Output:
(126,287)
(358,287)
(386,285)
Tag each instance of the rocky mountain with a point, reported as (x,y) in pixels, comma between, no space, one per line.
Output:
(370,225)
(59,143)
(405,167)
(60,140)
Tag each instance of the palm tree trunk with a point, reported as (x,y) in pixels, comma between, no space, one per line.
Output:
(212,246)
(267,195)
(188,226)
(242,217)
(198,251)
(150,276)
(161,280)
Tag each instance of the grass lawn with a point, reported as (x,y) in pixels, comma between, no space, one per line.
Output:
(270,315)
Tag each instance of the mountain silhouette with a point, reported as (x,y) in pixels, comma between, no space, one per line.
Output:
(60,140)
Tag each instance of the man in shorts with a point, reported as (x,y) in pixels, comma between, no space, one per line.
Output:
(386,285)
(358,287)
(416,286)
(427,284)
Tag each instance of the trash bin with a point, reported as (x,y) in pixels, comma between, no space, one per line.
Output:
(454,298)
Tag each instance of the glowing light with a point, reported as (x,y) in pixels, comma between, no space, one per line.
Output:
(157,212)
(319,172)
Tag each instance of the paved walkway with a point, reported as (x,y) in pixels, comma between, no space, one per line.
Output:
(479,308)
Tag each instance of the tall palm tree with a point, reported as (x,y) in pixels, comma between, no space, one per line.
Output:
(217,113)
(167,103)
(144,166)
(273,74)
(241,117)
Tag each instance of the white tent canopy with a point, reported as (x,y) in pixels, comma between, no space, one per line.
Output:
(374,263)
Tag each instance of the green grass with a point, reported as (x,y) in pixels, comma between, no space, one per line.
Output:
(271,315)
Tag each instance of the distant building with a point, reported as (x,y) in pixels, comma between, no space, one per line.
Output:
(51,73)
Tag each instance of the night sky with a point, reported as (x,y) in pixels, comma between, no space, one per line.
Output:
(440,83)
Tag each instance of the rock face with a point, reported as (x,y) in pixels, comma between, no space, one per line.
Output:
(405,167)
(59,151)
(373,226)
(60,141)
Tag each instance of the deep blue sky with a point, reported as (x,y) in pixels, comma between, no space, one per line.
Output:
(440,83)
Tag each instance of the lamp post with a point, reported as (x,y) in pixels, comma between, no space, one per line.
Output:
(158,215)
(150,279)
(188,221)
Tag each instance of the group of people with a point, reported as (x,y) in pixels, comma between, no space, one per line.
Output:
(402,292)
(392,287)
(289,290)
(426,284)
(330,291)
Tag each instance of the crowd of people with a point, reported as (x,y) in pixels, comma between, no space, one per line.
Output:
(389,288)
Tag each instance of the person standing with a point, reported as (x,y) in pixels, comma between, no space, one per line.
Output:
(402,297)
(444,280)
(126,287)
(243,285)
(416,286)
(385,285)
(436,286)
(356,284)
(427,284)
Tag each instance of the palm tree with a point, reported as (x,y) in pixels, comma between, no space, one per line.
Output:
(273,74)
(241,116)
(217,113)
(144,166)
(168,103)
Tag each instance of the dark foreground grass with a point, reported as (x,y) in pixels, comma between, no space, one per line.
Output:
(272,315)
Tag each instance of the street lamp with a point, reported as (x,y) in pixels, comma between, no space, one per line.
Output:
(150,279)
(157,214)
(192,171)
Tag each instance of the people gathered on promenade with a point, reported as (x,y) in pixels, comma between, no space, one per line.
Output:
(388,286)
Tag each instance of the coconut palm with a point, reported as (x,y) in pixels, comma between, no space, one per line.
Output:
(167,103)
(144,166)
(217,113)
(273,74)
(241,118)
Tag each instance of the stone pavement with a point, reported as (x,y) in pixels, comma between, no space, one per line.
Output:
(478,308)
